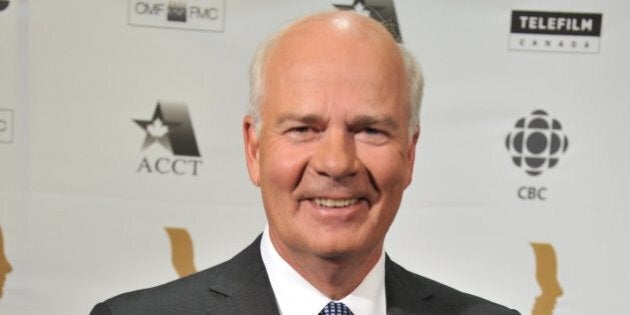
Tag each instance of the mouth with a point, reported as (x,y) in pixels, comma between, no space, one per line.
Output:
(335,203)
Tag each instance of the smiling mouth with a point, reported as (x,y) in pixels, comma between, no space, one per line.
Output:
(334,203)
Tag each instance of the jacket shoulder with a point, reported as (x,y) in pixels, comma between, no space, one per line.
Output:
(193,294)
(443,299)
(188,295)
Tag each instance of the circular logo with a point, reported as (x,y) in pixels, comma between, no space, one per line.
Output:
(3,4)
(537,142)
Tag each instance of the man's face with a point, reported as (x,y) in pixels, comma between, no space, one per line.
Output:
(333,154)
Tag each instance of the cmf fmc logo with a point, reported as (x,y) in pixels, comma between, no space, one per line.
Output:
(204,15)
(171,128)
(536,142)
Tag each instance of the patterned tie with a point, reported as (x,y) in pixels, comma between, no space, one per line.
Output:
(334,308)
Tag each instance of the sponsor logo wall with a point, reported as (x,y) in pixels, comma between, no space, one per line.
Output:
(126,167)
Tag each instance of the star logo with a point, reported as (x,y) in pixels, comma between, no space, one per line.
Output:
(156,130)
(170,126)
(380,10)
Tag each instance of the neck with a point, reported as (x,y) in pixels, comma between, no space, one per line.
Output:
(337,276)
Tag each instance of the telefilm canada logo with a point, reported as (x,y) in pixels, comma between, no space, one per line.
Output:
(171,128)
(203,15)
(3,4)
(555,31)
(380,10)
(6,125)
(536,144)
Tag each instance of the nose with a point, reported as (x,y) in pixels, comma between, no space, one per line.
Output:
(335,155)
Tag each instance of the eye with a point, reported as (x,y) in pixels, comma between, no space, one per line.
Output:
(301,133)
(300,129)
(372,135)
(372,131)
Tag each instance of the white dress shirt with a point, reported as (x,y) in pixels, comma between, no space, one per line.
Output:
(296,296)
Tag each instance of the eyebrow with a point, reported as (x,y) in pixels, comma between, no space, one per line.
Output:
(308,119)
(369,120)
(361,120)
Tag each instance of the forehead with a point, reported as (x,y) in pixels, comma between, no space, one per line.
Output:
(324,61)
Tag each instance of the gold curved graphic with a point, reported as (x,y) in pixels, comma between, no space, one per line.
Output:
(181,251)
(547,276)
(5,267)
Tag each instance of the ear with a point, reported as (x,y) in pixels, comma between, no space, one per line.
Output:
(250,138)
(411,154)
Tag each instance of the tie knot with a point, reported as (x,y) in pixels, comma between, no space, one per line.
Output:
(335,308)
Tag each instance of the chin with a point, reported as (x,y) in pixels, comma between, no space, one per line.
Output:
(335,248)
(334,255)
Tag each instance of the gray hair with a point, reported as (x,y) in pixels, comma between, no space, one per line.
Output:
(415,81)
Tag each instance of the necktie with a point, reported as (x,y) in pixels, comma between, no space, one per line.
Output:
(334,308)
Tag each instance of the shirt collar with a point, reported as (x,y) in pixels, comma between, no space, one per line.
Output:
(295,295)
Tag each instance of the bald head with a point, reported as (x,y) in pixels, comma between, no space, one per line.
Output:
(335,28)
(340,41)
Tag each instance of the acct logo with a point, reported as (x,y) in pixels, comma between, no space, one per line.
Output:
(380,10)
(3,4)
(555,31)
(536,142)
(205,15)
(171,128)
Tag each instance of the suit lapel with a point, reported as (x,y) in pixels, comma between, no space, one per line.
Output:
(404,295)
(242,286)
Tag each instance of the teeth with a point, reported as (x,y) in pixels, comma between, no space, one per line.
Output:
(335,203)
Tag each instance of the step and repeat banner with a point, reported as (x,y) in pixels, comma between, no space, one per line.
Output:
(121,160)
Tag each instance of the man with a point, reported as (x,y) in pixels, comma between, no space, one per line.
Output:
(330,140)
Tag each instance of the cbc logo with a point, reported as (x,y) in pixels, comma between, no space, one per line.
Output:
(532,193)
(536,143)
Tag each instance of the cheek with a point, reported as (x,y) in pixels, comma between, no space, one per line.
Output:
(282,166)
(387,167)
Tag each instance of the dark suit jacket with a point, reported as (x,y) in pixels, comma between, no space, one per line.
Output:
(241,286)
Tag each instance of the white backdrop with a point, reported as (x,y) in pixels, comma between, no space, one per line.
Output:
(82,220)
